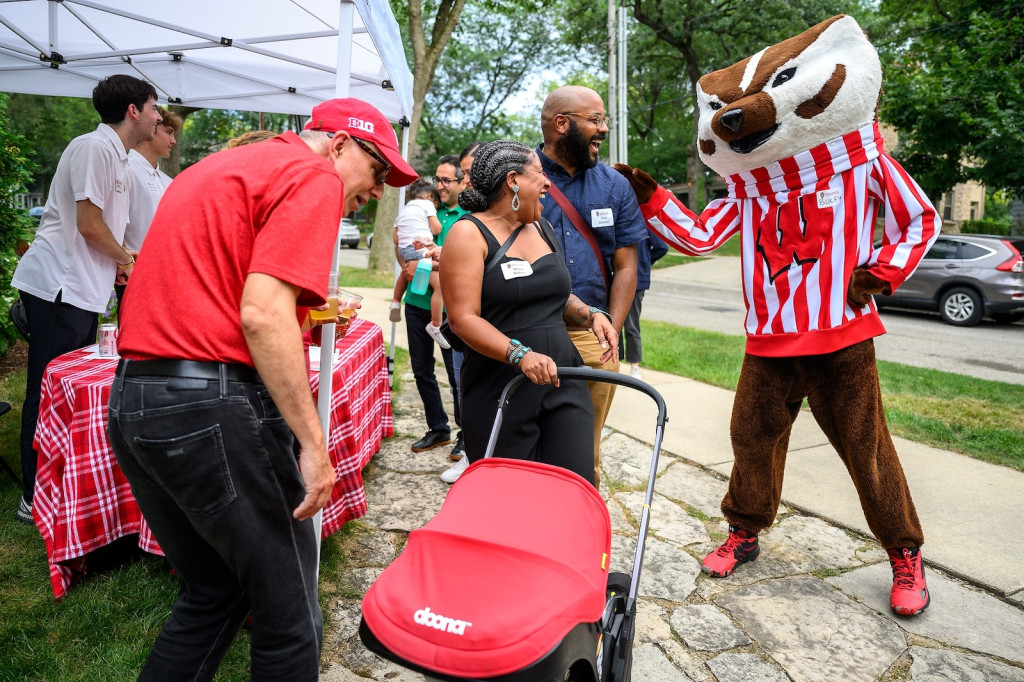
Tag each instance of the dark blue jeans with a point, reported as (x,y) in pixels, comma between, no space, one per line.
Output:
(421,357)
(212,466)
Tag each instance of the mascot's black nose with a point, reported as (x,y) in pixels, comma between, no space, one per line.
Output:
(733,120)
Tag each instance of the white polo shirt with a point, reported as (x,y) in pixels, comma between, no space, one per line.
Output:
(148,185)
(94,166)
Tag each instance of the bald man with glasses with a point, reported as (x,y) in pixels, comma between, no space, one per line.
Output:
(574,125)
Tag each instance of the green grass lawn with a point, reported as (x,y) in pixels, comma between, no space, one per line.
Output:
(983,419)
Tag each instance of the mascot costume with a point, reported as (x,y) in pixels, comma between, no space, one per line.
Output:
(792,130)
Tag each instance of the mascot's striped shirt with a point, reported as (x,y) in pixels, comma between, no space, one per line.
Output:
(805,223)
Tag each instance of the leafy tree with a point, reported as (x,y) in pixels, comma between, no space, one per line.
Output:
(954,88)
(15,173)
(492,52)
(426,55)
(208,130)
(47,123)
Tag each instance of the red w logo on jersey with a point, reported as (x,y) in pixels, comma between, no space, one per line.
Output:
(794,232)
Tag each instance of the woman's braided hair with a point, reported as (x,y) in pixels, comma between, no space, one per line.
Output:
(491,165)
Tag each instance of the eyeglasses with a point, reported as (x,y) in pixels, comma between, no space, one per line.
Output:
(596,119)
(382,174)
(444,181)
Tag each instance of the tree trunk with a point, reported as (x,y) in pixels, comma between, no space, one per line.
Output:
(425,59)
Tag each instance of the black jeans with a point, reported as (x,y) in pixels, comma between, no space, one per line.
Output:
(54,329)
(212,466)
(421,357)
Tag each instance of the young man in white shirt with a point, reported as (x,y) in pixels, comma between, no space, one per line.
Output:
(67,273)
(148,183)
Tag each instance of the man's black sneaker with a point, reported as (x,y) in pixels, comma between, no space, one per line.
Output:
(459,450)
(431,440)
(24,513)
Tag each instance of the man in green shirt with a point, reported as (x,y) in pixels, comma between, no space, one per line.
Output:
(448,177)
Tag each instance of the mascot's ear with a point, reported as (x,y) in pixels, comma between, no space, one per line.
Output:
(642,183)
(862,285)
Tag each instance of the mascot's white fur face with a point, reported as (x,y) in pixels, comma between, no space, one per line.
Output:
(789,97)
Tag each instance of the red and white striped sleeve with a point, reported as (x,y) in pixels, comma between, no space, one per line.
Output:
(683,230)
(911,222)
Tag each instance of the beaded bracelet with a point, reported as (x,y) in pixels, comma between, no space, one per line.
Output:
(516,351)
(594,311)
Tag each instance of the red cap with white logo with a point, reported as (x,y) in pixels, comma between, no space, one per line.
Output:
(361,120)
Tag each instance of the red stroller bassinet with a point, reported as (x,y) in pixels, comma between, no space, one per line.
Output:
(510,580)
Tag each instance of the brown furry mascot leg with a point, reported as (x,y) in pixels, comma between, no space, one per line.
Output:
(767,402)
(846,401)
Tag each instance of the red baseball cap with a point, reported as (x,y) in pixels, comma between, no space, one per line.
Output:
(359,119)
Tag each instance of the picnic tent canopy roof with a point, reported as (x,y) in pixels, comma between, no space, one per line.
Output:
(276,56)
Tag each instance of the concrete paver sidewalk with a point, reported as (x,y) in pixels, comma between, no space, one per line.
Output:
(813,607)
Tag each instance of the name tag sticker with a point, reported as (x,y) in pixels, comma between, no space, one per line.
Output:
(118,185)
(602,217)
(829,197)
(516,268)
(152,186)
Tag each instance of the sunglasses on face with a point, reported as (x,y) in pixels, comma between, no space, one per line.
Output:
(381,175)
(385,170)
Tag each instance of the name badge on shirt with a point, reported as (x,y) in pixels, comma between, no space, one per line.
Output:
(829,197)
(118,185)
(516,268)
(152,186)
(602,217)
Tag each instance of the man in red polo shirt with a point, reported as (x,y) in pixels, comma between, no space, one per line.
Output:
(211,399)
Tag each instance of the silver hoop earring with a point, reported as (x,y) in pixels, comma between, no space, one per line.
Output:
(515,197)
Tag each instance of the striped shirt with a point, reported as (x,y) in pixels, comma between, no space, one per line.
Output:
(805,223)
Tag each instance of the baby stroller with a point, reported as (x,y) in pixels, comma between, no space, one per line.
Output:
(510,581)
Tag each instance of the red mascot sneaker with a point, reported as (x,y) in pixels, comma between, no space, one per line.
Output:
(909,595)
(739,548)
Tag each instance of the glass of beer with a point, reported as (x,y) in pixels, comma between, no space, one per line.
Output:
(347,304)
(332,302)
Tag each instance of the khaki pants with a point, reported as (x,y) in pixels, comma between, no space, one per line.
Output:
(601,393)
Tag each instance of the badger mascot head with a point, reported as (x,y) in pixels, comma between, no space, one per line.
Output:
(789,97)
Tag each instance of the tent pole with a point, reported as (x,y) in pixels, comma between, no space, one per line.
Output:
(344,68)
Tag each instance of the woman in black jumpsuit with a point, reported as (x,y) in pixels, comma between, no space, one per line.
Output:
(520,303)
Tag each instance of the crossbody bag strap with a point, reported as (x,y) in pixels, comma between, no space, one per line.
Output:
(582,227)
(548,232)
(501,250)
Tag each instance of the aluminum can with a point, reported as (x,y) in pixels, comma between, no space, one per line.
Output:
(107,340)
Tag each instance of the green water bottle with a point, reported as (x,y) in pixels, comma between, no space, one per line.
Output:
(421,280)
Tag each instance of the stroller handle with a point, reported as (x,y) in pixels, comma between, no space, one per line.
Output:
(574,373)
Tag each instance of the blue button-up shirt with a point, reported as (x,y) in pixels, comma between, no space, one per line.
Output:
(587,190)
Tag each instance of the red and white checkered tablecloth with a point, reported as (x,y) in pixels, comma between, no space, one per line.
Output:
(82,500)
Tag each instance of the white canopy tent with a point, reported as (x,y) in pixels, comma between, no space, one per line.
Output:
(275,56)
(278,56)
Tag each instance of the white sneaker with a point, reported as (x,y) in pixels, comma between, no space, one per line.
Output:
(395,311)
(435,332)
(452,473)
(634,371)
